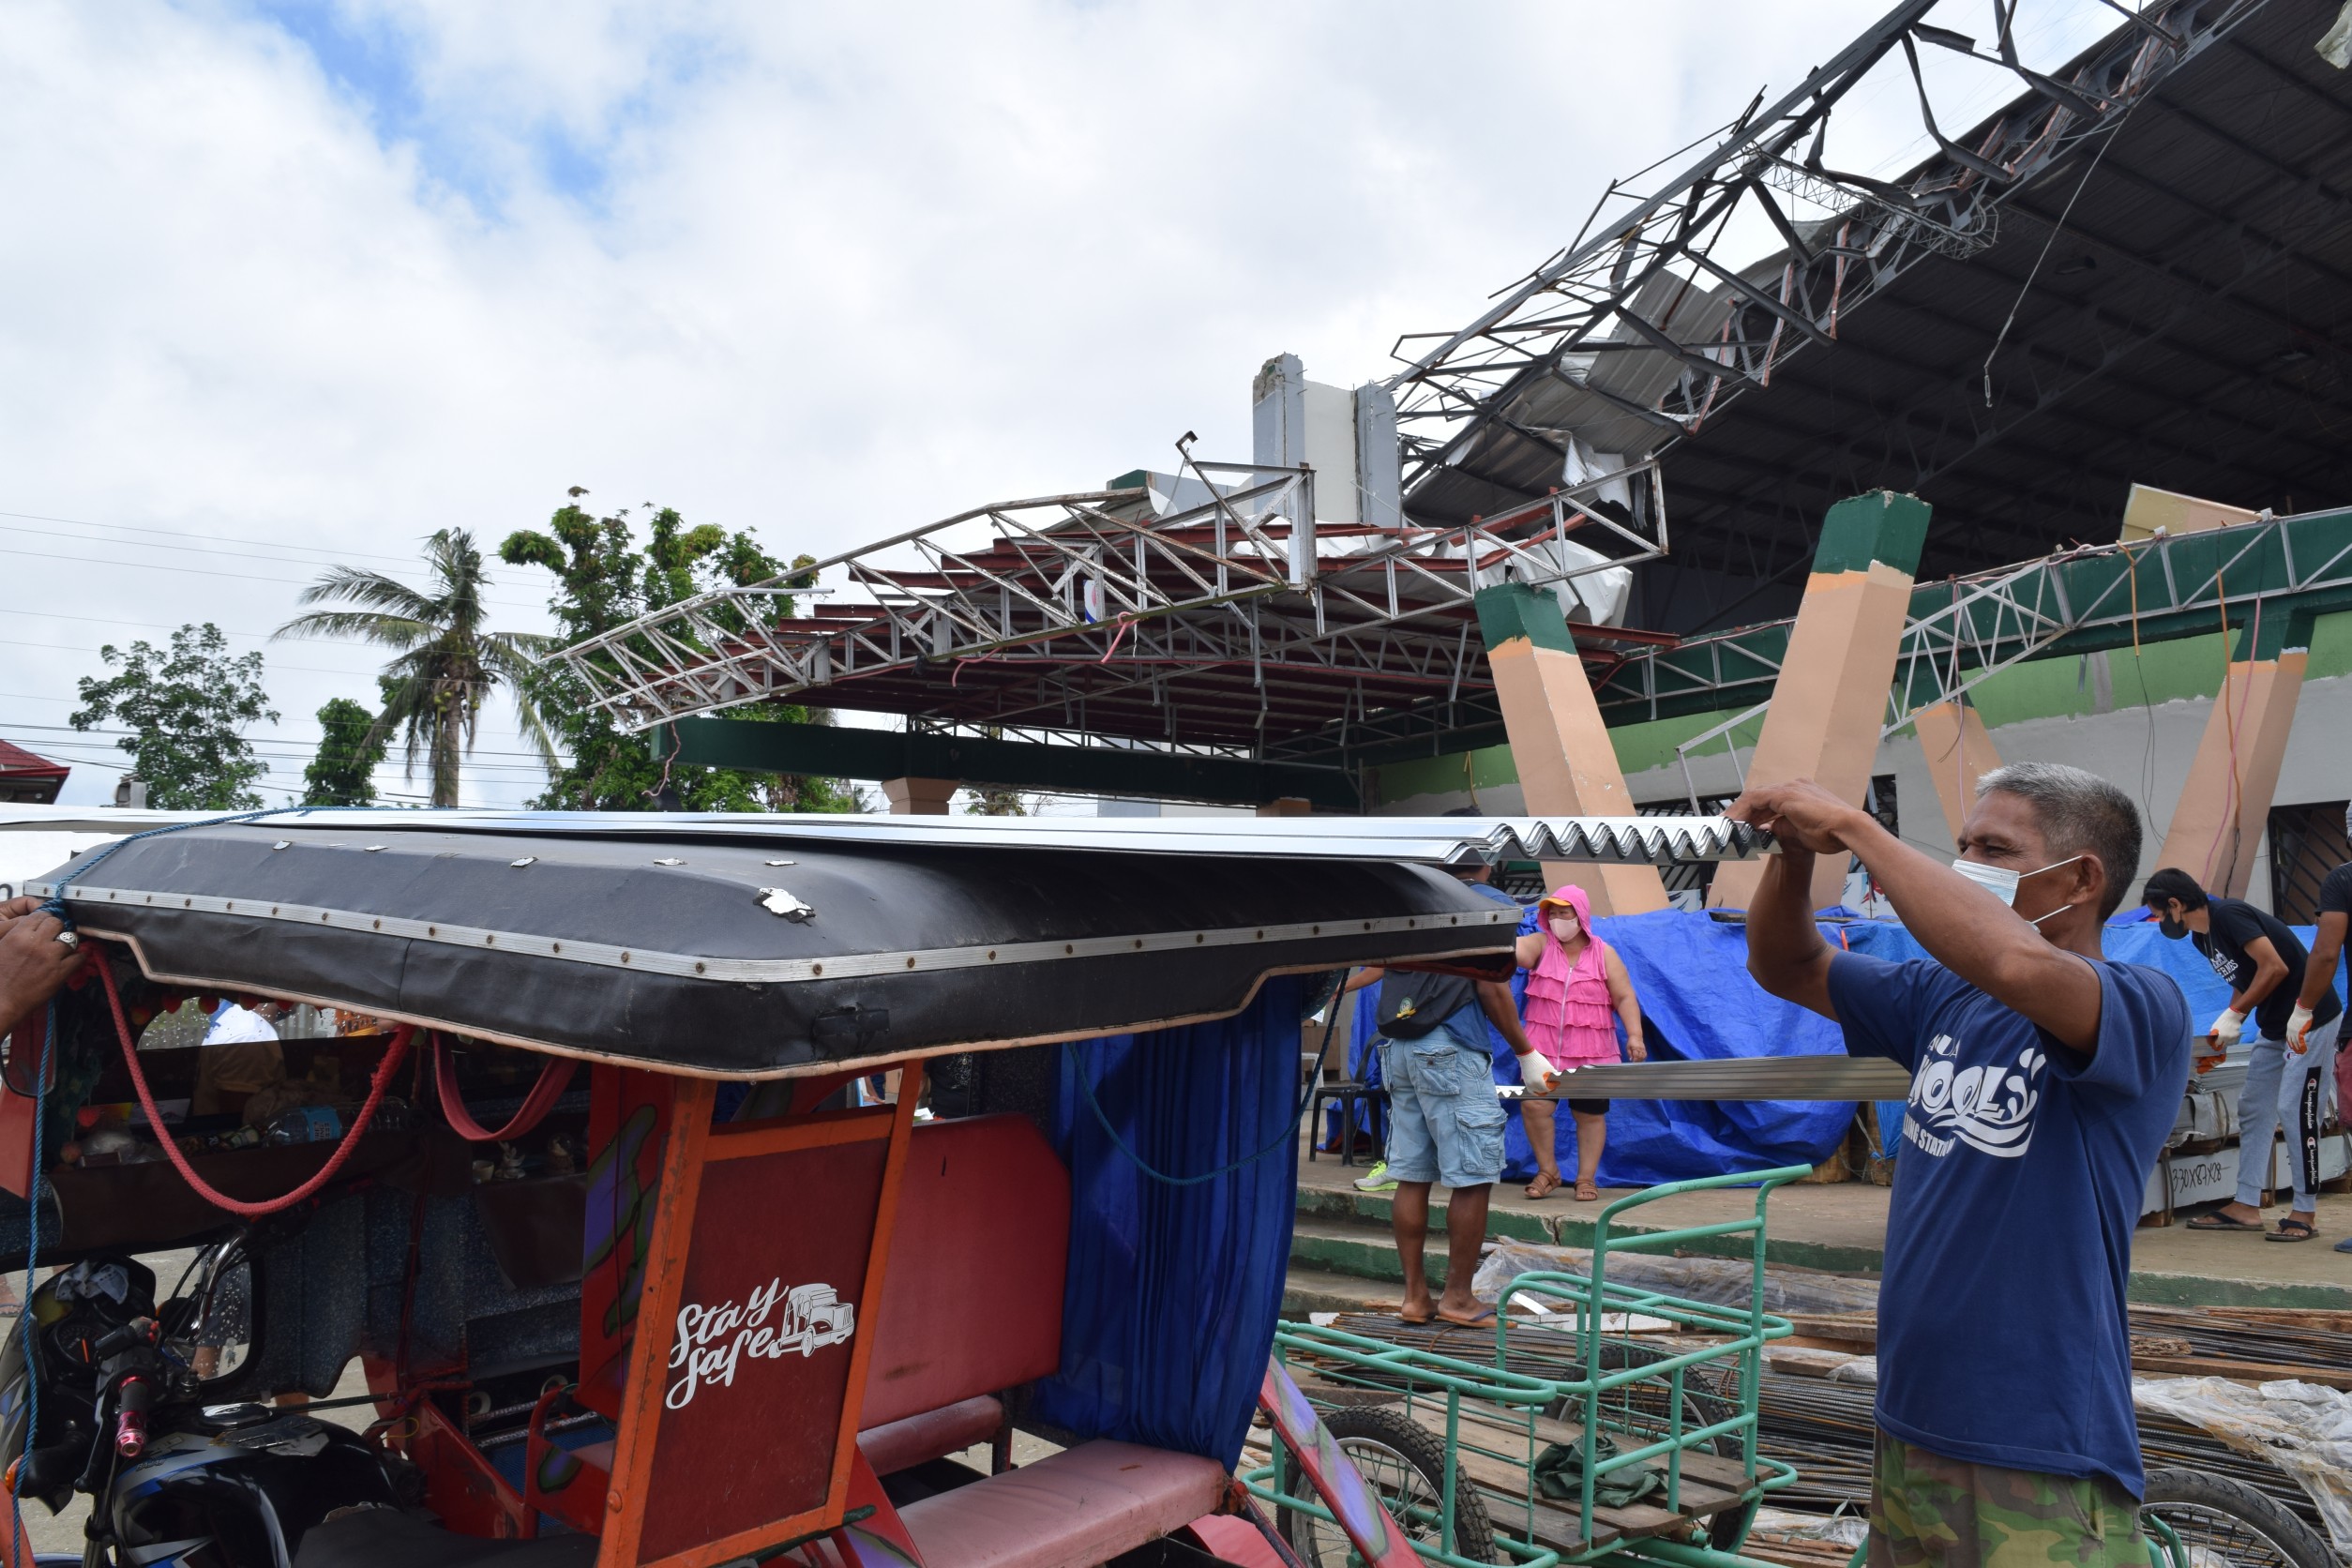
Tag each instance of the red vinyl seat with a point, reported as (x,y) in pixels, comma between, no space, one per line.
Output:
(971,1303)
(1084,1504)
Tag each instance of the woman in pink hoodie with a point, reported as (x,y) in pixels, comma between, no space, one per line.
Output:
(1576,992)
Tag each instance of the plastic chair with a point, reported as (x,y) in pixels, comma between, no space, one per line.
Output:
(1347,1093)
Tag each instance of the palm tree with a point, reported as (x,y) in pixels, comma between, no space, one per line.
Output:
(447,660)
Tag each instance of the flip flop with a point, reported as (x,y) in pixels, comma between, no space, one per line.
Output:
(2222,1222)
(1476,1320)
(1416,1322)
(2291,1231)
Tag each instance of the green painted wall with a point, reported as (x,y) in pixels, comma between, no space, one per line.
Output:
(2176,669)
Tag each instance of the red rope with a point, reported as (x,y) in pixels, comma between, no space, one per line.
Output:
(384,1069)
(553,1079)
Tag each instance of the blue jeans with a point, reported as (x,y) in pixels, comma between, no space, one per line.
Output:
(1445,1123)
(2283,1090)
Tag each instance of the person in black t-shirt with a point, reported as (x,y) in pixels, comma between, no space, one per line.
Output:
(2287,1062)
(2327,947)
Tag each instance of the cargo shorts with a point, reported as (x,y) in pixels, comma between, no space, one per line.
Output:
(1444,1123)
(1930,1512)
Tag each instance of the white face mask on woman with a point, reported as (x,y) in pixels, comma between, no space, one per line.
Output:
(1564,927)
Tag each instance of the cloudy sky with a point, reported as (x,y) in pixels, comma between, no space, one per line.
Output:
(297,283)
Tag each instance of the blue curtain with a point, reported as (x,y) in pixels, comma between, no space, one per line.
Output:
(1169,1313)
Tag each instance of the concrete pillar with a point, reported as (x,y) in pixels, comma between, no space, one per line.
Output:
(2217,828)
(1952,737)
(1567,765)
(1289,806)
(1831,693)
(919,797)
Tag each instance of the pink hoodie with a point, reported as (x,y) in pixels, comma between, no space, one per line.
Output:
(1569,1017)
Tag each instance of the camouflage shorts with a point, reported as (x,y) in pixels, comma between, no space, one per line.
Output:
(1925,1509)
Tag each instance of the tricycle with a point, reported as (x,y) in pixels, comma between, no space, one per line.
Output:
(685,1190)
(699,1191)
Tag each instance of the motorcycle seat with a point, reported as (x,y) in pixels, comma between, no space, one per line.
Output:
(387,1538)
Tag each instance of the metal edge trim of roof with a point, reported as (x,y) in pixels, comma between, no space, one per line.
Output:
(673,1069)
(766,970)
(1432,841)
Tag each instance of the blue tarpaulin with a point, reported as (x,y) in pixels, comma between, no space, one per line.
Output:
(2130,938)
(1699,1002)
(1168,1312)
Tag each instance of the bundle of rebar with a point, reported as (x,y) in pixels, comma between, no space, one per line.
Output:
(1825,1429)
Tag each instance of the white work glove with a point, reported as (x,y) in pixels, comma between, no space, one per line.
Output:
(2298,1031)
(1535,1070)
(2227,1028)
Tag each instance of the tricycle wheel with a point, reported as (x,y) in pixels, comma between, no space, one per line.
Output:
(1406,1465)
(2225,1523)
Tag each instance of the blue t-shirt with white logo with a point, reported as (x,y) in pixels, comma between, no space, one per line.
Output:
(2002,1331)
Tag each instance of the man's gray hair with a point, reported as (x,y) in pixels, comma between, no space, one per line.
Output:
(2079,813)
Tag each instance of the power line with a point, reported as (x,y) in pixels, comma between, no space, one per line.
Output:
(290,554)
(119,621)
(186,534)
(199,571)
(87,648)
(108,730)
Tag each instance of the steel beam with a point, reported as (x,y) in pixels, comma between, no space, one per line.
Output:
(833,751)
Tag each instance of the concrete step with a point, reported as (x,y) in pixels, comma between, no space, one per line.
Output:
(1561,1221)
(1357,1251)
(1311,1290)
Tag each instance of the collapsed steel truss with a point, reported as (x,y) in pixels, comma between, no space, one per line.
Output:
(1088,613)
(1632,335)
(1241,624)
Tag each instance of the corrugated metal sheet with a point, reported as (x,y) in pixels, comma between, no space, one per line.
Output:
(1426,841)
(1776,1077)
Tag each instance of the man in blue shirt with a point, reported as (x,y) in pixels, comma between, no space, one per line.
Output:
(2043,1082)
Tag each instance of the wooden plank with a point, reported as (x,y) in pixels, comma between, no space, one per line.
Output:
(1556,1524)
(1713,1468)
(2326,1320)
(2244,1371)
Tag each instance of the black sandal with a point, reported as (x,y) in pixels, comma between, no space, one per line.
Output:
(2291,1229)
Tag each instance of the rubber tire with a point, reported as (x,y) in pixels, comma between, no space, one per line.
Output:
(1473,1531)
(2297,1544)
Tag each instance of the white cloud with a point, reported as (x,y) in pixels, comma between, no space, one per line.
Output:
(336,277)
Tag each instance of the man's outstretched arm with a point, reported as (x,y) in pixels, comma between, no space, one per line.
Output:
(1964,928)
(1785,952)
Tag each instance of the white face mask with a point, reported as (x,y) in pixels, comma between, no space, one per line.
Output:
(1564,927)
(2001,882)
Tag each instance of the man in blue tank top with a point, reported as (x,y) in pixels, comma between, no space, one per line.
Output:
(2043,1082)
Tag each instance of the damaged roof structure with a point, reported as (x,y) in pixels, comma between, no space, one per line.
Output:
(2131,264)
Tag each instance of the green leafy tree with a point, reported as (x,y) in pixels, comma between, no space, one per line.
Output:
(185,710)
(447,659)
(350,746)
(993,800)
(604,580)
